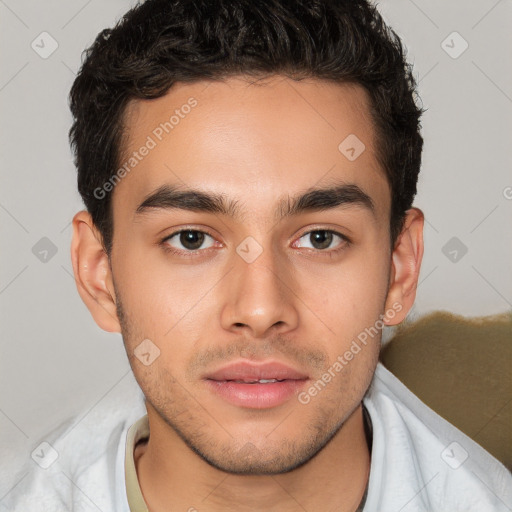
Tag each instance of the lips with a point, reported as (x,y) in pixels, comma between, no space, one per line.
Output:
(256,385)
(250,372)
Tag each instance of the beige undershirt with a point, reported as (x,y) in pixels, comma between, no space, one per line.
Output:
(137,432)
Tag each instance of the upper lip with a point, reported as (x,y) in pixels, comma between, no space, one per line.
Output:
(251,371)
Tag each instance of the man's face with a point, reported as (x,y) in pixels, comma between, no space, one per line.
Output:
(259,285)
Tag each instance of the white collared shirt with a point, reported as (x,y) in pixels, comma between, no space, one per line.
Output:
(419,461)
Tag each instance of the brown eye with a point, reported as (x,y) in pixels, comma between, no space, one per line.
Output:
(189,239)
(321,239)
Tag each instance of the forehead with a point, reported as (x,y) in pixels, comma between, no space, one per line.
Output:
(257,140)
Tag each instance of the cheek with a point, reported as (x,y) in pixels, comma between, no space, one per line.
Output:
(350,296)
(349,299)
(159,295)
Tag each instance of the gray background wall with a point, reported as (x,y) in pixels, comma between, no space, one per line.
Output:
(55,361)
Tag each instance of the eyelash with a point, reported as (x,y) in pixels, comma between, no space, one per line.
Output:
(346,242)
(186,254)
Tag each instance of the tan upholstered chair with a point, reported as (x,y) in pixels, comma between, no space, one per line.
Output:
(462,369)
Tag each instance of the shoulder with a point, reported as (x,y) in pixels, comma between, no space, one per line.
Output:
(422,462)
(79,465)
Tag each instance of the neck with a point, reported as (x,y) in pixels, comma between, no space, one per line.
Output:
(173,477)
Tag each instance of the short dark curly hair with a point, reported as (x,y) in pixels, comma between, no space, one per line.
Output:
(161,42)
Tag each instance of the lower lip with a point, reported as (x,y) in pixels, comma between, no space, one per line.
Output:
(256,396)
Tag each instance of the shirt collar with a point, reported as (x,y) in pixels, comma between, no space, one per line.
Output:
(137,432)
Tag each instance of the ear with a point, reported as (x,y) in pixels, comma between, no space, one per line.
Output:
(405,267)
(93,275)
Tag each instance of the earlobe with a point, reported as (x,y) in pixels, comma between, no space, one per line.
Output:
(406,263)
(92,271)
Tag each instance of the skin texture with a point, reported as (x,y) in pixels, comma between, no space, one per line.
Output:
(296,303)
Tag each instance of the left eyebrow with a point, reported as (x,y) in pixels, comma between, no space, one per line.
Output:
(327,198)
(319,199)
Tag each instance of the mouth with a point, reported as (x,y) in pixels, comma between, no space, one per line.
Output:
(259,381)
(256,385)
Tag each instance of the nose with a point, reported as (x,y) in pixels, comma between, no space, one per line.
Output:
(259,297)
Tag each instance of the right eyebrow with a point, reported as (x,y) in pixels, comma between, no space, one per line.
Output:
(170,197)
